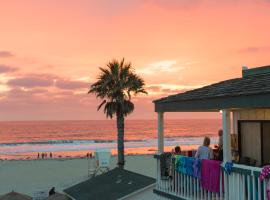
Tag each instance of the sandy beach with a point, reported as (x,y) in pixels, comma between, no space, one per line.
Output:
(30,176)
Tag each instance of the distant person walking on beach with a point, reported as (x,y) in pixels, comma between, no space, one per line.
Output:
(204,151)
(38,156)
(51,155)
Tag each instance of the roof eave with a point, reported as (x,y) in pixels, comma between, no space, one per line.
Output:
(215,104)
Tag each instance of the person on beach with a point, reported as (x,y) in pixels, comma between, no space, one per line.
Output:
(204,151)
(51,155)
(38,156)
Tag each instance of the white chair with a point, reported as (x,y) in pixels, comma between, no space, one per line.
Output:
(101,163)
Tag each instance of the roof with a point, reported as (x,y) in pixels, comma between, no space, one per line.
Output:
(114,184)
(15,196)
(58,196)
(233,93)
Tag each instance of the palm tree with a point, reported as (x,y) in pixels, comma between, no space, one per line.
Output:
(116,83)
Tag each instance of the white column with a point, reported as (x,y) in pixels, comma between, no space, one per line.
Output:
(160,132)
(226,126)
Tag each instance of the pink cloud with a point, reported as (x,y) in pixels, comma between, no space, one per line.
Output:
(70,84)
(31,81)
(7,69)
(6,54)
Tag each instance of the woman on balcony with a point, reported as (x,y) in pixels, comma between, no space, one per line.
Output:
(204,151)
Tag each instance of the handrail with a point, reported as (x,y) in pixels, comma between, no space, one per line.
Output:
(243,184)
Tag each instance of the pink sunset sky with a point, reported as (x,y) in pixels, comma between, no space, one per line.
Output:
(50,51)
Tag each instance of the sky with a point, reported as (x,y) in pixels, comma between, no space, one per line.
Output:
(50,51)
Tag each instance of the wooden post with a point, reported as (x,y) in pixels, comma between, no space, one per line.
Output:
(160,132)
(226,126)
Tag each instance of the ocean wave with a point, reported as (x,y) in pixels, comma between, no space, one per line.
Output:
(182,140)
(60,142)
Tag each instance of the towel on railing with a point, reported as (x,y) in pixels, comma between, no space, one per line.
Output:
(189,166)
(197,167)
(177,163)
(165,161)
(265,172)
(210,177)
(180,164)
(184,165)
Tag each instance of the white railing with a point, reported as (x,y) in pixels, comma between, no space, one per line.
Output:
(242,184)
(185,186)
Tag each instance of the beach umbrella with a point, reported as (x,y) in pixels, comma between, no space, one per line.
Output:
(15,196)
(58,196)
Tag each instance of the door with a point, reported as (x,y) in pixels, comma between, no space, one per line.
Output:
(251,141)
(266,142)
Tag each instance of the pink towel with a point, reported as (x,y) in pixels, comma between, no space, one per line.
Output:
(210,177)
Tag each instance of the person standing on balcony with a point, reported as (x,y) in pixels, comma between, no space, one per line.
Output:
(220,145)
(177,150)
(204,151)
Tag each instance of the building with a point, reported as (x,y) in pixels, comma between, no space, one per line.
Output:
(245,106)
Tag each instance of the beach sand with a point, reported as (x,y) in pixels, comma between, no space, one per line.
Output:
(30,176)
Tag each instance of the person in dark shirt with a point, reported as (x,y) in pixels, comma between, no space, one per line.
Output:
(52,191)
(177,150)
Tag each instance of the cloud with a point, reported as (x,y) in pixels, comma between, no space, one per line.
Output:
(168,89)
(70,84)
(255,49)
(176,4)
(47,80)
(154,88)
(5,54)
(162,66)
(6,69)
(32,81)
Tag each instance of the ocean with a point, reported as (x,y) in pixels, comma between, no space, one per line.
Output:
(25,139)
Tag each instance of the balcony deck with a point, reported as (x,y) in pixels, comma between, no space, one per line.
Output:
(243,183)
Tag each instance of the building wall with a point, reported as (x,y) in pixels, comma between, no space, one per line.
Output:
(248,114)
(252,140)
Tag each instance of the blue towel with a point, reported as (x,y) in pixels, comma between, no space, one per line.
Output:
(189,165)
(197,167)
(180,164)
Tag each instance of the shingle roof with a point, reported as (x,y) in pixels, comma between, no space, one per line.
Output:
(15,196)
(249,85)
(114,184)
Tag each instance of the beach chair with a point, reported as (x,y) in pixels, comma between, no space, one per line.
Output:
(100,164)
(103,158)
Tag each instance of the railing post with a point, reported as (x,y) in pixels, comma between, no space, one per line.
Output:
(160,132)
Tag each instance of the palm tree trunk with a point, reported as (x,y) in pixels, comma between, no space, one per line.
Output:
(120,140)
